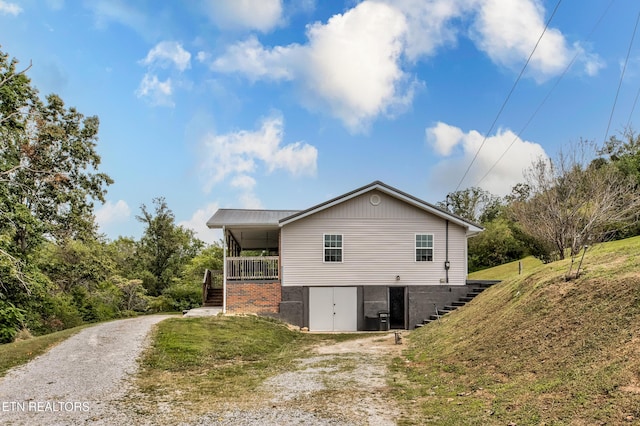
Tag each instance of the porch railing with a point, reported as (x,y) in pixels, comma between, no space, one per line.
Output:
(252,268)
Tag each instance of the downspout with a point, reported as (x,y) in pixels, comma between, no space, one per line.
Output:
(224,270)
(446,248)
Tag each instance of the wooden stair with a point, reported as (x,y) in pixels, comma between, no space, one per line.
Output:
(214,297)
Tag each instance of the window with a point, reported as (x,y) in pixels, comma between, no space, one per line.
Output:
(424,248)
(332,248)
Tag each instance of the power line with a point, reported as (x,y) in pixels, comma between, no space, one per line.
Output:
(624,68)
(566,70)
(633,107)
(513,88)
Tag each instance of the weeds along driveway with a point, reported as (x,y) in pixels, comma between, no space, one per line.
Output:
(79,380)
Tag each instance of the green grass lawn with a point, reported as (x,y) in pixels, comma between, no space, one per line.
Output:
(508,270)
(200,362)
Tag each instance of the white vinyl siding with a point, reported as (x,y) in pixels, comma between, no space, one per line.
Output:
(424,247)
(332,247)
(379,244)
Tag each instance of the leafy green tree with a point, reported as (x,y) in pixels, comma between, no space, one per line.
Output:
(54,180)
(48,174)
(123,251)
(17,98)
(469,203)
(211,257)
(496,245)
(165,248)
(624,154)
(49,180)
(75,263)
(133,292)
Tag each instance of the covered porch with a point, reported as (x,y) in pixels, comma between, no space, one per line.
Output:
(252,254)
(252,270)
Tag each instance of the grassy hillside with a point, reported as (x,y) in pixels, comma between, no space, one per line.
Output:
(534,349)
(508,270)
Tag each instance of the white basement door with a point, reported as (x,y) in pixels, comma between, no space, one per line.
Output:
(333,309)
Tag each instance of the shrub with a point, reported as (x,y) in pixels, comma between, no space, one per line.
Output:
(11,321)
(183,296)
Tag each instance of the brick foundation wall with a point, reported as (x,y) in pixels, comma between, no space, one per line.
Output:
(253,297)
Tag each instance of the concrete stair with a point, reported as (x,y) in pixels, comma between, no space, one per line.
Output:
(476,288)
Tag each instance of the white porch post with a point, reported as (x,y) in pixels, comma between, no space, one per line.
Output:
(224,270)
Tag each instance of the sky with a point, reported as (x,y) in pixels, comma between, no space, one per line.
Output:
(284,104)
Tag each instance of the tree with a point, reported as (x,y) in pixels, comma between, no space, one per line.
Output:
(165,248)
(75,263)
(497,244)
(624,153)
(573,202)
(133,292)
(48,181)
(469,203)
(48,164)
(16,98)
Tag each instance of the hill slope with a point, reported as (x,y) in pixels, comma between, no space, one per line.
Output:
(535,349)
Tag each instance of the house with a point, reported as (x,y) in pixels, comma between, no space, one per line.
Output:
(375,254)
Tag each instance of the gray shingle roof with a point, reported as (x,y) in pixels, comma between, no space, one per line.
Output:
(241,217)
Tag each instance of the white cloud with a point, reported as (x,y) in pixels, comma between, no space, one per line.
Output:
(251,59)
(508,31)
(351,64)
(202,56)
(235,155)
(7,8)
(261,15)
(249,200)
(155,91)
(112,213)
(106,11)
(504,175)
(198,224)
(592,62)
(444,137)
(356,65)
(168,53)
(244,182)
(430,23)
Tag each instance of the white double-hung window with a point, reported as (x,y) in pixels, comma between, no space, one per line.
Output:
(424,248)
(332,247)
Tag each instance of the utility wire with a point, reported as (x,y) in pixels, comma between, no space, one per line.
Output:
(513,88)
(564,73)
(633,107)
(624,68)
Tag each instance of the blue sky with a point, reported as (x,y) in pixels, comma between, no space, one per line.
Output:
(282,104)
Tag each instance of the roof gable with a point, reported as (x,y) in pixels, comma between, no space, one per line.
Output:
(391,191)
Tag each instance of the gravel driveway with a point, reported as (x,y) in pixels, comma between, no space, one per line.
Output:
(342,384)
(80,380)
(86,380)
